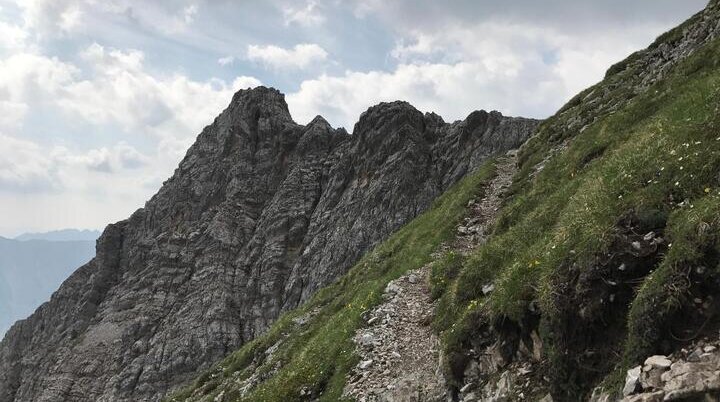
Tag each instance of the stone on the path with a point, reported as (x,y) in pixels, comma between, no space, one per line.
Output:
(658,361)
(367,339)
(547,398)
(632,380)
(365,364)
(486,289)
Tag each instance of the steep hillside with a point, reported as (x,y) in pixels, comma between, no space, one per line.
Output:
(607,252)
(261,213)
(31,270)
(604,253)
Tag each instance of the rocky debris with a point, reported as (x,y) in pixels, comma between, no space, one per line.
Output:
(498,380)
(691,373)
(632,380)
(260,214)
(473,231)
(657,361)
(399,352)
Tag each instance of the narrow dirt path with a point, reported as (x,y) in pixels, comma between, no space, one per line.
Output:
(482,214)
(399,352)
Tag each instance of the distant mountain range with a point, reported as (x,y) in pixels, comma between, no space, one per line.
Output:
(62,235)
(32,266)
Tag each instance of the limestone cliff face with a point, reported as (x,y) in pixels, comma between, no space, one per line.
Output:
(260,214)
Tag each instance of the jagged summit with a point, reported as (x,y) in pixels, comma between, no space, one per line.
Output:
(395,113)
(260,214)
(319,121)
(266,99)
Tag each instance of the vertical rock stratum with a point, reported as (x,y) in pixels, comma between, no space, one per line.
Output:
(260,214)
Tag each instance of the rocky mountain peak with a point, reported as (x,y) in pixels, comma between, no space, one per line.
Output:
(260,105)
(319,121)
(389,114)
(260,214)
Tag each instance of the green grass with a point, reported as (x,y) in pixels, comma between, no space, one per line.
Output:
(657,158)
(316,357)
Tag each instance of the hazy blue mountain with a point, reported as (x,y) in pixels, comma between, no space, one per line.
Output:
(31,270)
(62,235)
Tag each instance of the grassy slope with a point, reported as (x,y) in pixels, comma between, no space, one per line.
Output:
(315,357)
(656,160)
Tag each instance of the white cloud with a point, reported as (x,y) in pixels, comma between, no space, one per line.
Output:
(516,68)
(189,13)
(23,165)
(452,90)
(299,57)
(225,61)
(25,74)
(70,19)
(121,92)
(31,168)
(244,82)
(28,81)
(308,15)
(52,17)
(48,19)
(119,157)
(115,92)
(12,114)
(12,37)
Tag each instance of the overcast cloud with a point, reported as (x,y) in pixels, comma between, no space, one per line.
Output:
(100,99)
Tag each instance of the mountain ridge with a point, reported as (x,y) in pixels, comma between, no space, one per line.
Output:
(259,214)
(597,281)
(61,235)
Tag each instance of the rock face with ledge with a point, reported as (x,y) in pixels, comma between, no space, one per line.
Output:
(260,214)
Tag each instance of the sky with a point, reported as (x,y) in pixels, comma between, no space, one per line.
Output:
(100,99)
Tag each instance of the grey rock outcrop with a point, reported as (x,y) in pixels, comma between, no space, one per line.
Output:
(260,214)
(689,374)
